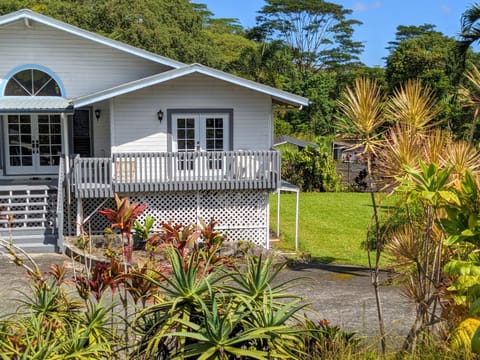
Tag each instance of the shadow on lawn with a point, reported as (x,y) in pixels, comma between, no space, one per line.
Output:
(388,208)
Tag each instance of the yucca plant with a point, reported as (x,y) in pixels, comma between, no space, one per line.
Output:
(284,339)
(363,108)
(470,97)
(54,326)
(461,157)
(321,340)
(218,335)
(399,150)
(414,106)
(257,279)
(182,291)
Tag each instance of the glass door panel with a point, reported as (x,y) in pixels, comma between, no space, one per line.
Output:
(20,144)
(186,134)
(49,141)
(33,144)
(200,132)
(214,138)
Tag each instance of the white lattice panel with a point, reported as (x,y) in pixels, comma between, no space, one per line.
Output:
(181,207)
(241,214)
(235,208)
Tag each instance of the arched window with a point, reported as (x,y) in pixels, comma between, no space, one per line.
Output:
(32,82)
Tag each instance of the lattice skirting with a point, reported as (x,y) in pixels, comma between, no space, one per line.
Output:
(242,215)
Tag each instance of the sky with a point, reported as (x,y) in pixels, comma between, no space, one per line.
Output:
(380,19)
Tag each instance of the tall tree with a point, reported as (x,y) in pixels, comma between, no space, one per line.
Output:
(470,30)
(318,31)
(421,52)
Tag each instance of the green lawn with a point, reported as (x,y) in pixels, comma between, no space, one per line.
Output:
(332,226)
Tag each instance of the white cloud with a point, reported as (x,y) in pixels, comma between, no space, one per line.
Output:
(445,9)
(363,6)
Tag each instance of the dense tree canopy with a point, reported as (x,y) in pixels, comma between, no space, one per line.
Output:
(420,52)
(302,46)
(318,31)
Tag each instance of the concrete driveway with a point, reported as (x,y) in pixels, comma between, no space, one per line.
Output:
(343,295)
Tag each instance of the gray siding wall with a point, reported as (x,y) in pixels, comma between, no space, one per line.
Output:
(82,65)
(137,128)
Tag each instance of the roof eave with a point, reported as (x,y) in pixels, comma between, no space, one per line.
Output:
(278,96)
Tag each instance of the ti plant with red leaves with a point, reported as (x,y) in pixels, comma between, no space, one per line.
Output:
(99,279)
(123,219)
(178,236)
(138,281)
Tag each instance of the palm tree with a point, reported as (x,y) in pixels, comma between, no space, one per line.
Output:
(470,31)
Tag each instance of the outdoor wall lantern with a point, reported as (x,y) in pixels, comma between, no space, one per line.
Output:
(160,115)
(97,113)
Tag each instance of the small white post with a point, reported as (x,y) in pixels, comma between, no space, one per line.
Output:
(79,216)
(278,213)
(296,220)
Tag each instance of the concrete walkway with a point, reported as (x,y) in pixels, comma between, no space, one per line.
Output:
(343,295)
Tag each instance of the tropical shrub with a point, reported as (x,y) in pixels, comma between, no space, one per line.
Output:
(310,169)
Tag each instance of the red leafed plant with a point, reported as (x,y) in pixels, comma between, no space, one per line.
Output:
(123,219)
(179,236)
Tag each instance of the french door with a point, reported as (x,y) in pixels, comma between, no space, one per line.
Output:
(33,143)
(200,132)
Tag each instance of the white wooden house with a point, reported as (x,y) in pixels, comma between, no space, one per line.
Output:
(83,116)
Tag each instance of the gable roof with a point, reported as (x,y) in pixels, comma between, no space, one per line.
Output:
(26,14)
(279,96)
(294,141)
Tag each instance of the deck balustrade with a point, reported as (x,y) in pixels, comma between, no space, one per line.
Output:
(179,171)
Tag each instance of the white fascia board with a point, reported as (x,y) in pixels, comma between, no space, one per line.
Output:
(129,87)
(31,15)
(279,95)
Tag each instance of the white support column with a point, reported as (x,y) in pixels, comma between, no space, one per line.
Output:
(278,213)
(111,111)
(79,215)
(296,219)
(66,149)
(267,227)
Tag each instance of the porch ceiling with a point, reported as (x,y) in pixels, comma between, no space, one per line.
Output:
(37,104)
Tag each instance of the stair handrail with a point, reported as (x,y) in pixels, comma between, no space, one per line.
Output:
(60,205)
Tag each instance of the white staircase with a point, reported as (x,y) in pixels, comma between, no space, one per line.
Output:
(27,216)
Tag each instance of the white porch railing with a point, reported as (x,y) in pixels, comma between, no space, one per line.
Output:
(181,171)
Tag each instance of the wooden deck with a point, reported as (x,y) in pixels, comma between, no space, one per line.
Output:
(187,171)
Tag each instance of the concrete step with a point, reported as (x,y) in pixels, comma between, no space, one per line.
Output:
(36,248)
(16,232)
(36,243)
(23,220)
